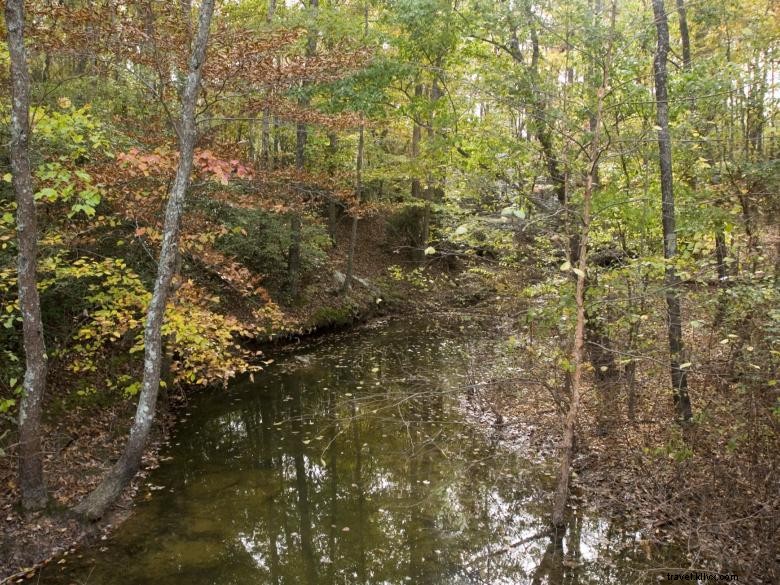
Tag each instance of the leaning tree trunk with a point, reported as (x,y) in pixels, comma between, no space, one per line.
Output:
(671,281)
(96,503)
(31,481)
(578,352)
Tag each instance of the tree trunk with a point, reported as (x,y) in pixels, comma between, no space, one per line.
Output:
(333,148)
(96,503)
(358,190)
(294,255)
(294,251)
(578,352)
(671,281)
(539,122)
(265,140)
(721,253)
(31,480)
(415,150)
(684,36)
(301,137)
(432,184)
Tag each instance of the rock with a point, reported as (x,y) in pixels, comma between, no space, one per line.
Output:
(339,278)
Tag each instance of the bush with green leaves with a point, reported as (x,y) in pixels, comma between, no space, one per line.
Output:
(260,240)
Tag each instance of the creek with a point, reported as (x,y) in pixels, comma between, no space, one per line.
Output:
(350,460)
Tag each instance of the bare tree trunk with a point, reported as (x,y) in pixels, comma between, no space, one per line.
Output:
(671,281)
(721,252)
(682,16)
(435,95)
(294,251)
(301,137)
(294,255)
(358,190)
(333,148)
(31,480)
(96,503)
(265,140)
(578,352)
(415,153)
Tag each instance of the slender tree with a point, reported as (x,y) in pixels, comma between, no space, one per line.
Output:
(415,154)
(578,352)
(358,190)
(682,16)
(358,180)
(671,280)
(301,137)
(31,479)
(265,144)
(96,503)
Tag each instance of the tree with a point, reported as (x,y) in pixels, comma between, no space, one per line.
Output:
(31,479)
(301,137)
(358,181)
(671,280)
(578,352)
(96,503)
(358,189)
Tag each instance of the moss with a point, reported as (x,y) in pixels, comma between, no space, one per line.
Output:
(340,316)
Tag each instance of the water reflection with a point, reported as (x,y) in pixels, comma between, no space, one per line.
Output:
(350,464)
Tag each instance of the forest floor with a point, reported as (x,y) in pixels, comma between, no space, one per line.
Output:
(709,489)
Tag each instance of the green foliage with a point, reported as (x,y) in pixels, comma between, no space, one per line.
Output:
(261,241)
(415,277)
(71,132)
(73,188)
(109,316)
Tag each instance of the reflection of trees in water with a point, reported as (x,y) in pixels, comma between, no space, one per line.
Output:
(302,484)
(325,475)
(398,496)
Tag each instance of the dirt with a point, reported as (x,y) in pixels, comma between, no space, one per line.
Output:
(79,446)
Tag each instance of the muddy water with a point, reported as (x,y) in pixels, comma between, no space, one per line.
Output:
(350,461)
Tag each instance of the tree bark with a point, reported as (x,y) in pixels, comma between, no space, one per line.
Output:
(671,281)
(578,352)
(358,190)
(416,182)
(31,479)
(97,502)
(333,148)
(682,16)
(265,140)
(301,137)
(294,255)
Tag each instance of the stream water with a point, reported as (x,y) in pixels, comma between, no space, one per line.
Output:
(349,461)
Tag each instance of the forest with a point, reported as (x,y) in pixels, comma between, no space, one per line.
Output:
(389,291)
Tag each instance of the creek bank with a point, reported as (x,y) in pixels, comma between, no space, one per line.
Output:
(78,455)
(686,490)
